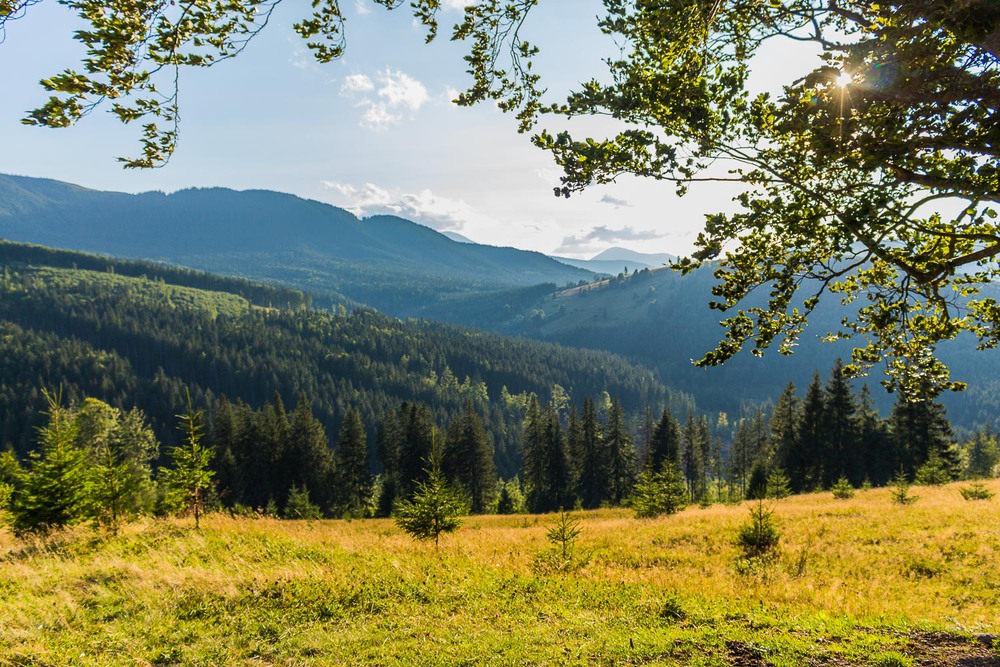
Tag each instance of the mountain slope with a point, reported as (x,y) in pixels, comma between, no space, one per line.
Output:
(661,319)
(135,340)
(384,261)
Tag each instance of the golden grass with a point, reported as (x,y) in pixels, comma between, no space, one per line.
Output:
(853,577)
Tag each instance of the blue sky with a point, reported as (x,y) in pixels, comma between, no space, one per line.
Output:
(374,132)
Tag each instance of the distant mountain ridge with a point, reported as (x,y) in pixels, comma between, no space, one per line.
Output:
(618,260)
(384,261)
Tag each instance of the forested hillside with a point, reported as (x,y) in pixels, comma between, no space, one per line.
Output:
(135,340)
(656,318)
(661,319)
(388,263)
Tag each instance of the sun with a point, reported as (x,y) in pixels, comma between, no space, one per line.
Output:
(844,79)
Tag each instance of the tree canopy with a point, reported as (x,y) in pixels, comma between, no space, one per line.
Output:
(873,178)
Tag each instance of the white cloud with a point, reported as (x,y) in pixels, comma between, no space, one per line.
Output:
(615,201)
(394,94)
(401,90)
(361,8)
(356,83)
(602,235)
(425,207)
(456,4)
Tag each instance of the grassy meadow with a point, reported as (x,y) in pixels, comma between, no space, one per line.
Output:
(858,582)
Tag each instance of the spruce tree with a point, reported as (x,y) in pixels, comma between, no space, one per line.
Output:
(620,452)
(921,430)
(307,455)
(804,462)
(52,490)
(694,457)
(983,453)
(191,478)
(416,445)
(434,508)
(740,459)
(592,480)
(659,492)
(841,456)
(387,448)
(353,474)
(546,465)
(575,448)
(467,461)
(784,423)
(120,448)
(880,460)
(664,444)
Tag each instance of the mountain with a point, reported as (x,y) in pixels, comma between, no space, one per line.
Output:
(641,260)
(618,260)
(389,263)
(458,238)
(661,319)
(136,334)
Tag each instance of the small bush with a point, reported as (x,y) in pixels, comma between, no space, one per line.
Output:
(563,557)
(933,472)
(564,535)
(843,490)
(659,493)
(672,609)
(434,509)
(299,506)
(977,491)
(778,484)
(759,537)
(901,490)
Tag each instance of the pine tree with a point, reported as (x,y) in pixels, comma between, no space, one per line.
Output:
(804,462)
(841,456)
(52,491)
(467,462)
(354,479)
(120,449)
(416,445)
(190,478)
(921,430)
(983,453)
(592,480)
(879,457)
(784,423)
(665,442)
(546,465)
(434,509)
(620,454)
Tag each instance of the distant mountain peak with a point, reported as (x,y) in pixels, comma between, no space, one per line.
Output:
(619,254)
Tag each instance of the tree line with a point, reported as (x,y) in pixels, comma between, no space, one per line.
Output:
(97,462)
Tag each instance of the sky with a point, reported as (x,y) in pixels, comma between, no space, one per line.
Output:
(374,132)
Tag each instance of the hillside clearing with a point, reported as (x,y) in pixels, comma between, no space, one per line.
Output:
(859,582)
